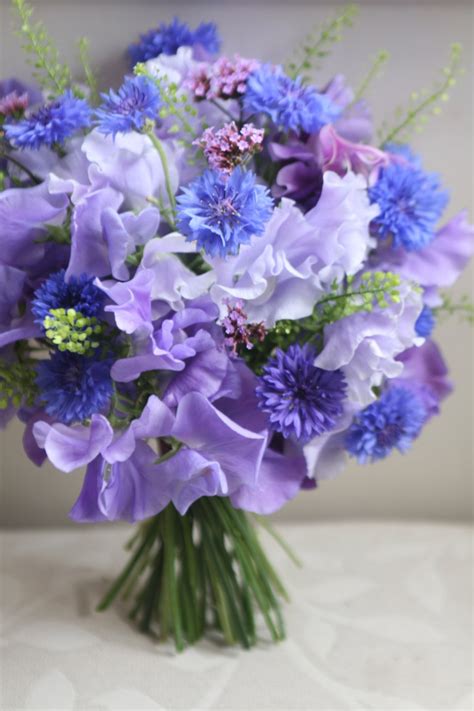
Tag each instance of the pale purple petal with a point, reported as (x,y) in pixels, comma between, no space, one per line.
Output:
(71,447)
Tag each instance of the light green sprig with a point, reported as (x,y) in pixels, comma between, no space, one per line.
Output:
(381,58)
(463,309)
(83,44)
(423,103)
(17,384)
(316,47)
(50,74)
(69,330)
(176,104)
(375,289)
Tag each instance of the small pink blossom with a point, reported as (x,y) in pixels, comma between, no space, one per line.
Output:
(238,331)
(13,103)
(228,147)
(340,155)
(225,79)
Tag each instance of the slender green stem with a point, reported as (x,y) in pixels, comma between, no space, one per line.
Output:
(150,132)
(379,61)
(262,521)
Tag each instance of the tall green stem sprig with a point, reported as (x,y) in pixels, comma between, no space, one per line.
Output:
(423,103)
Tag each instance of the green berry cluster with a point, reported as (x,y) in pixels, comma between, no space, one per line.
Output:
(373,289)
(69,330)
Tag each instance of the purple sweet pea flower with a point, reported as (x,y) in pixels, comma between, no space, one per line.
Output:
(425,374)
(217,456)
(24,212)
(356,122)
(439,264)
(131,165)
(340,155)
(365,345)
(282,274)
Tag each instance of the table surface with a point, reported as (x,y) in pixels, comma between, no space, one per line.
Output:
(381,618)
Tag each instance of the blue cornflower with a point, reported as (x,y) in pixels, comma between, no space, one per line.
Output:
(127,109)
(300,399)
(79,293)
(73,387)
(289,103)
(394,420)
(167,39)
(50,124)
(221,212)
(425,323)
(411,202)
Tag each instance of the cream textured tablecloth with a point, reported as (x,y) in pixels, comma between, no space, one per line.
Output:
(380,619)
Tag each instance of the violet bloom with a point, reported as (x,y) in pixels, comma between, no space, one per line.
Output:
(355,122)
(437,265)
(425,374)
(365,345)
(102,238)
(130,164)
(124,479)
(282,274)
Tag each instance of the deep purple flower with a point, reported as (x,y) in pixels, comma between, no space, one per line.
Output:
(73,387)
(78,293)
(300,399)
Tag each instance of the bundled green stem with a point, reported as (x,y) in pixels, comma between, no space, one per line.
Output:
(204,570)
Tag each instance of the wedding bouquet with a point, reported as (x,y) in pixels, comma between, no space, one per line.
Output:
(214,290)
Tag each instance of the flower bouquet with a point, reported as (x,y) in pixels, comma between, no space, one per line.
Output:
(214,289)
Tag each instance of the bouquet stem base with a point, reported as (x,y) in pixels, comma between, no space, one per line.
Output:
(201,571)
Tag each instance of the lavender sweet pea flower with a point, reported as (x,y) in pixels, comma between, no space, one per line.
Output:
(356,121)
(425,374)
(70,447)
(189,344)
(281,274)
(340,155)
(24,212)
(131,165)
(365,345)
(440,263)
(132,302)
(217,456)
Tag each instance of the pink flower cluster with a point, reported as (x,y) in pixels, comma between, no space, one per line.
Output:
(13,104)
(225,79)
(238,332)
(228,147)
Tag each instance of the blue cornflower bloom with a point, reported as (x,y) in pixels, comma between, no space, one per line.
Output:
(50,124)
(221,212)
(79,293)
(411,202)
(167,39)
(300,399)
(425,322)
(127,109)
(289,103)
(394,420)
(73,387)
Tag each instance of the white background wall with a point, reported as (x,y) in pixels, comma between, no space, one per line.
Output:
(434,480)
